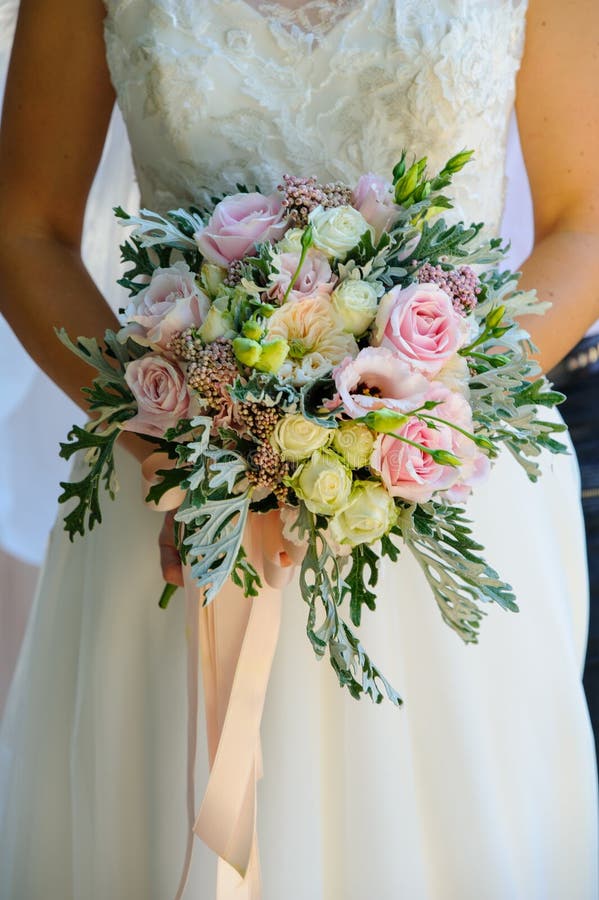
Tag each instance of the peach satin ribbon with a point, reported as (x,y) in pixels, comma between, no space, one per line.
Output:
(236,638)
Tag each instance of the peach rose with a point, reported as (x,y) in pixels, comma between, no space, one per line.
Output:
(162,397)
(420,325)
(316,338)
(237,224)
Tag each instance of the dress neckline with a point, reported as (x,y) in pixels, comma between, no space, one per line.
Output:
(314,21)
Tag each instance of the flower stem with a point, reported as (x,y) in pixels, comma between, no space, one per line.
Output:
(482,442)
(306,244)
(167,593)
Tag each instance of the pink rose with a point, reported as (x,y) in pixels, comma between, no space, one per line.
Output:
(315,277)
(238,223)
(420,325)
(377,379)
(372,197)
(171,302)
(411,473)
(160,391)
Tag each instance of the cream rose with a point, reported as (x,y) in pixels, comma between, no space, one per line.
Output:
(354,442)
(337,230)
(355,301)
(369,515)
(295,437)
(323,483)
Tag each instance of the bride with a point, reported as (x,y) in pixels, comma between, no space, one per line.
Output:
(484,784)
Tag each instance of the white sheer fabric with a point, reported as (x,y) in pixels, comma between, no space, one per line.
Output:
(483,785)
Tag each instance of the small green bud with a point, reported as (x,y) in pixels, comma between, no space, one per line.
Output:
(498,359)
(252,329)
(406,185)
(495,317)
(445,458)
(247,351)
(385,421)
(273,354)
(484,443)
(457,162)
(307,237)
(399,168)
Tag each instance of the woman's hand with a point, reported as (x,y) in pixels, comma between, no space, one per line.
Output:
(278,556)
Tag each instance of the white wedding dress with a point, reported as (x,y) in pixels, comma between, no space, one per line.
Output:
(483,785)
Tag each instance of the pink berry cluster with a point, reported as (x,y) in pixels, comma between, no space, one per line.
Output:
(462,284)
(302,195)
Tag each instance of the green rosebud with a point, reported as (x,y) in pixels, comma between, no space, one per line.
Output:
(384,421)
(252,329)
(273,354)
(247,351)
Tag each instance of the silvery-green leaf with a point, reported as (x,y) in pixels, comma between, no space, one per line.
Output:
(215,531)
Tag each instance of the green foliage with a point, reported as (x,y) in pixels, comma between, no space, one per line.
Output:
(87,510)
(440,537)
(112,403)
(321,584)
(261,387)
(170,478)
(362,576)
(312,398)
(245,576)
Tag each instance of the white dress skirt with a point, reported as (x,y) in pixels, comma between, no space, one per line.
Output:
(483,785)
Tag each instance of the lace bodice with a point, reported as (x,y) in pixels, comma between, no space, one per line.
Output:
(220,92)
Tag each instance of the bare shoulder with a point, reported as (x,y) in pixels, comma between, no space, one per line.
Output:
(57,107)
(558,111)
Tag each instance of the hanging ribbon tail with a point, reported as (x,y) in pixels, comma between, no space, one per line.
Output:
(237,637)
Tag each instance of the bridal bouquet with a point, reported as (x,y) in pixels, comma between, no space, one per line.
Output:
(340,354)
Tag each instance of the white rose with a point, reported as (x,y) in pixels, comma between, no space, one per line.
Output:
(337,230)
(295,437)
(356,303)
(291,242)
(354,442)
(323,483)
(369,515)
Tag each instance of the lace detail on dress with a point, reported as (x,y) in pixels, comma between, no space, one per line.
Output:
(218,92)
(315,17)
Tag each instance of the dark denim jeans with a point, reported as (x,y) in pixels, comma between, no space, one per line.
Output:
(581,412)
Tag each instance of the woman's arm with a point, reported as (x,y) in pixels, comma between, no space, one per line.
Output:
(558,117)
(57,107)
